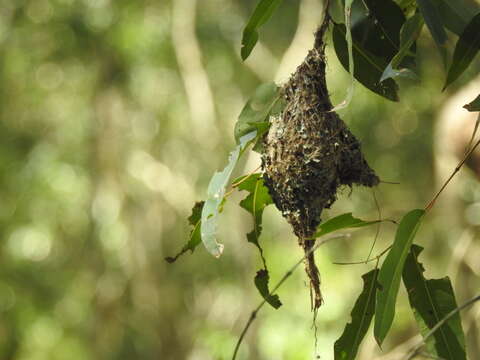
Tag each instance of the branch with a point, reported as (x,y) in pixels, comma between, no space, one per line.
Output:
(253,315)
(365,261)
(455,171)
(415,351)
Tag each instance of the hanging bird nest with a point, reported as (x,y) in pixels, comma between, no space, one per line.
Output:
(310,153)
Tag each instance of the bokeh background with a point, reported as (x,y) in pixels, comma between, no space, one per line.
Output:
(113,117)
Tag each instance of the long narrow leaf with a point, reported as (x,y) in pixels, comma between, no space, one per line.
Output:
(375,40)
(435,25)
(391,273)
(346,347)
(351,63)
(260,16)
(474,105)
(408,35)
(466,48)
(339,222)
(431,300)
(215,193)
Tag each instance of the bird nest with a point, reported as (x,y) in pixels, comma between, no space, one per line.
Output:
(310,154)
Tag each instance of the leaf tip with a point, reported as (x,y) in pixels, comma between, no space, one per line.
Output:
(244,53)
(378,341)
(170,259)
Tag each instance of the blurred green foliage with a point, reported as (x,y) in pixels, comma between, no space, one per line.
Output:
(114,115)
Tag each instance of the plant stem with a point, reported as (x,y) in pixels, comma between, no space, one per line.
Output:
(455,171)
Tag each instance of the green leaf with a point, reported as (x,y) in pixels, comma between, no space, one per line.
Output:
(194,219)
(215,197)
(262,128)
(336,11)
(391,273)
(375,36)
(456,14)
(408,35)
(465,50)
(260,16)
(254,116)
(435,25)
(407,5)
(346,347)
(256,201)
(431,300)
(261,282)
(474,105)
(343,221)
(351,62)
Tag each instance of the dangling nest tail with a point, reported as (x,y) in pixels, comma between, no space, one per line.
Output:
(310,153)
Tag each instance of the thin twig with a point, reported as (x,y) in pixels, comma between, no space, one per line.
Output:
(365,261)
(377,232)
(455,171)
(415,351)
(473,133)
(246,177)
(253,315)
(389,182)
(234,185)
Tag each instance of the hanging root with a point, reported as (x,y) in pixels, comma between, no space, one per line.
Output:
(310,153)
(313,273)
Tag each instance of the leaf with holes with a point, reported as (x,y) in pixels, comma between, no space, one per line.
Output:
(351,62)
(262,13)
(346,347)
(215,197)
(195,238)
(391,273)
(466,48)
(431,300)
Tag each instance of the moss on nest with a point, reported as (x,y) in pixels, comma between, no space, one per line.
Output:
(310,153)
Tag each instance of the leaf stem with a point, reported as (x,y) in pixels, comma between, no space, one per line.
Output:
(234,185)
(377,232)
